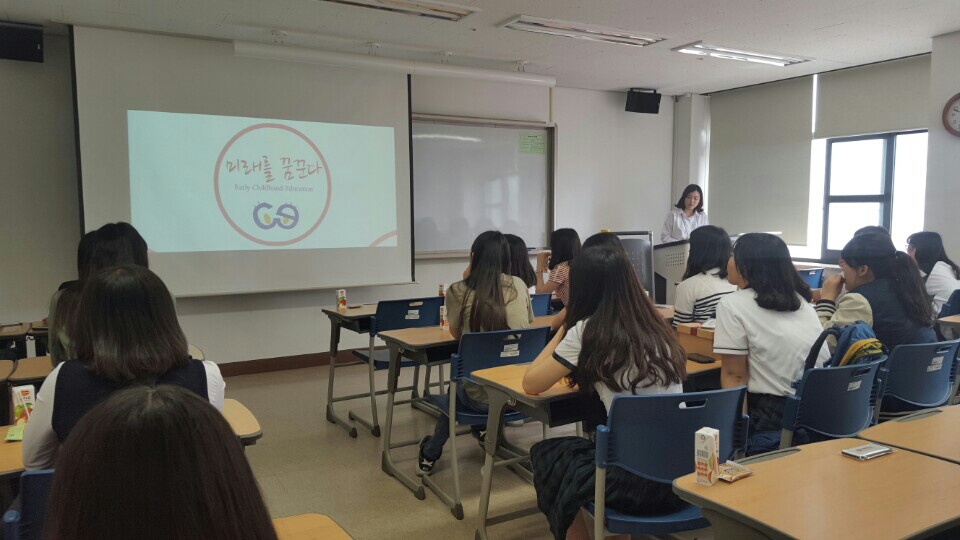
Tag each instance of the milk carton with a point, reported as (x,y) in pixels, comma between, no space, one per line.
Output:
(444,323)
(707,456)
(341,299)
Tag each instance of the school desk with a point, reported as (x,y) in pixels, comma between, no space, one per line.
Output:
(812,491)
(952,320)
(560,405)
(355,319)
(425,345)
(932,432)
(38,332)
(309,527)
(31,370)
(244,424)
(17,333)
(11,455)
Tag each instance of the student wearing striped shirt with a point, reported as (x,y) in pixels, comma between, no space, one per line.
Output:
(564,247)
(705,281)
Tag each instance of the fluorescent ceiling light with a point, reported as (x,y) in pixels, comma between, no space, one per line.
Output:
(421,8)
(580,31)
(702,49)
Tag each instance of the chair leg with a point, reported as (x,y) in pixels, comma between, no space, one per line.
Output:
(457,509)
(600,504)
(786,438)
(332,416)
(375,430)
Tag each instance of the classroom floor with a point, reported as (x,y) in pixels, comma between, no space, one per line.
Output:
(305,464)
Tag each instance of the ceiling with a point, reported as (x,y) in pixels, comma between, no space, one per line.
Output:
(834,33)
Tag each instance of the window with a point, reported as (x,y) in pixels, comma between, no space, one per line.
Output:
(873,180)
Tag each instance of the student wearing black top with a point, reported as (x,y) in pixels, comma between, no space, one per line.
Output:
(885,291)
(127,333)
(155,463)
(520,262)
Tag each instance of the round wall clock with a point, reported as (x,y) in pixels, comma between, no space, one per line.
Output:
(951,115)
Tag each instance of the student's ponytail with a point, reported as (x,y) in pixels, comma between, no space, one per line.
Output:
(910,289)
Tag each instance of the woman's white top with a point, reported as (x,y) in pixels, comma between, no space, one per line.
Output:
(940,285)
(678,226)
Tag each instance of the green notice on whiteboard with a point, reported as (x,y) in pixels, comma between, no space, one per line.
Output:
(533,143)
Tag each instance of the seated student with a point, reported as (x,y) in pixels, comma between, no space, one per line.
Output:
(564,247)
(487,299)
(113,244)
(885,290)
(764,332)
(599,239)
(127,333)
(614,343)
(155,463)
(941,276)
(520,262)
(705,280)
(871,229)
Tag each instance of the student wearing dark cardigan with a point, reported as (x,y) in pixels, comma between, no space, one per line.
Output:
(126,333)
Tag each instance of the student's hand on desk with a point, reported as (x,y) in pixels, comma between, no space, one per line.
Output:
(831,287)
(543,260)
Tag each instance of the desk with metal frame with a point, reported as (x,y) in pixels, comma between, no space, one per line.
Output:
(357,320)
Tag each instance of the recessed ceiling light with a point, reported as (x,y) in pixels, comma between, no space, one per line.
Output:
(702,49)
(421,8)
(577,30)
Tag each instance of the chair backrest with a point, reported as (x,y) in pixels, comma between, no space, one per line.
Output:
(812,276)
(921,375)
(835,401)
(653,436)
(952,306)
(34,492)
(541,304)
(408,313)
(482,350)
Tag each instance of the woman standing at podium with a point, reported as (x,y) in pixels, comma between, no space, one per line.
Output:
(686,216)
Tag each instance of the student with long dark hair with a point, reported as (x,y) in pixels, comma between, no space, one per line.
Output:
(764,330)
(487,299)
(113,244)
(614,342)
(685,216)
(885,290)
(941,276)
(126,333)
(520,262)
(600,239)
(155,463)
(564,247)
(705,280)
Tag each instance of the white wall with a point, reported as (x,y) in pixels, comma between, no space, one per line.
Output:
(691,143)
(614,171)
(40,223)
(943,149)
(613,167)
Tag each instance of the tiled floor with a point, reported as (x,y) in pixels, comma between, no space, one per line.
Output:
(305,464)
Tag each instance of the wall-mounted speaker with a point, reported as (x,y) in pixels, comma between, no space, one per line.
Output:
(640,101)
(21,42)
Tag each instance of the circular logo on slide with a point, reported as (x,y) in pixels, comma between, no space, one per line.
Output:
(272,184)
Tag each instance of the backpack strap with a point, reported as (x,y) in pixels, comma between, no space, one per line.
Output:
(817,346)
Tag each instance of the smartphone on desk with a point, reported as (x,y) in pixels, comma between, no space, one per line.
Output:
(700,359)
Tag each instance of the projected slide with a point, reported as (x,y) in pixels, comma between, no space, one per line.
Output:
(223,183)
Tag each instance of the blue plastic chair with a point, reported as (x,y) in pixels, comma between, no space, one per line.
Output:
(653,437)
(918,377)
(27,523)
(812,276)
(393,315)
(541,304)
(480,350)
(833,402)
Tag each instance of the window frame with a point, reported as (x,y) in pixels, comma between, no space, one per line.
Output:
(885,198)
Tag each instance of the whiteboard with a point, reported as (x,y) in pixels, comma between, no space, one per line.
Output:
(469,178)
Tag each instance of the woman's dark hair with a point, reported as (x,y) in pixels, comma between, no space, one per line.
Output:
(876,251)
(871,229)
(155,463)
(603,239)
(709,248)
(520,260)
(84,252)
(929,251)
(764,262)
(564,246)
(489,260)
(114,244)
(126,326)
(688,190)
(623,328)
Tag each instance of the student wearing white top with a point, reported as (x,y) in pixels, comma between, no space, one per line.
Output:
(687,215)
(941,276)
(705,280)
(615,343)
(126,334)
(765,330)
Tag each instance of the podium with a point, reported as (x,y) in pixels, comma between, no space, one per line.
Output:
(669,264)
